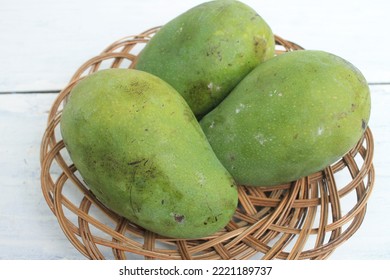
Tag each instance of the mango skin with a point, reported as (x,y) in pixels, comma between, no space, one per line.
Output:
(204,52)
(293,115)
(141,151)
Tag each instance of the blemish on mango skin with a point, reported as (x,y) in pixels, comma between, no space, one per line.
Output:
(179,218)
(211,219)
(135,87)
(135,162)
(364,124)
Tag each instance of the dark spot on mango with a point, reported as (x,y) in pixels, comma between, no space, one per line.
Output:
(255,16)
(211,219)
(259,44)
(135,162)
(135,87)
(364,124)
(178,218)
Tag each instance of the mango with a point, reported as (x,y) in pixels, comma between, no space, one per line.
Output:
(143,154)
(204,52)
(291,116)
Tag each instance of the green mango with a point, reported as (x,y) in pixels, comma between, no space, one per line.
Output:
(204,52)
(143,154)
(291,116)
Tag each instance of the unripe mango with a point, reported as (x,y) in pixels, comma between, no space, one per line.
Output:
(204,52)
(141,151)
(291,116)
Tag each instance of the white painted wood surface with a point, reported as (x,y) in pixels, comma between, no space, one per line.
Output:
(43,42)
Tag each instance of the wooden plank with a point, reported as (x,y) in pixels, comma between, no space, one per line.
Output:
(43,42)
(28,229)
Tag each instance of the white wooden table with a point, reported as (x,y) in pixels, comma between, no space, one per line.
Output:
(43,42)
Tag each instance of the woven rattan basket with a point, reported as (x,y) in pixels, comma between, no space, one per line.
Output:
(307,219)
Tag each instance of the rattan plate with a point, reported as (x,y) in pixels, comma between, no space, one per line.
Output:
(305,219)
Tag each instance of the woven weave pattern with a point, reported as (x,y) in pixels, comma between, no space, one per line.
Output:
(305,219)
